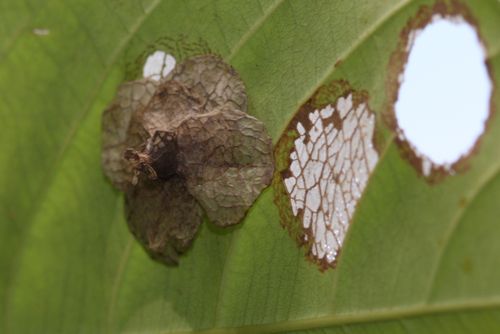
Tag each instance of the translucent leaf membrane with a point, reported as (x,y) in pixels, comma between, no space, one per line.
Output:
(179,142)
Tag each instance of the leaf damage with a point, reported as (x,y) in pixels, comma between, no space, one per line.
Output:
(183,145)
(324,161)
(450,10)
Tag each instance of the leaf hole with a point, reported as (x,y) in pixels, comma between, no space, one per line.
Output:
(443,100)
(326,169)
(158,65)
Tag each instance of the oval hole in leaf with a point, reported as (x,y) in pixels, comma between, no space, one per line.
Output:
(443,100)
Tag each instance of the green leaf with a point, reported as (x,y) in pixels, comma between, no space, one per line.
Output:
(418,258)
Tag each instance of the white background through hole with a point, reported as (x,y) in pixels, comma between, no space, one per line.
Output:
(158,65)
(444,98)
(329,169)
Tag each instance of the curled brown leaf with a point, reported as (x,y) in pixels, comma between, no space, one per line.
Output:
(182,144)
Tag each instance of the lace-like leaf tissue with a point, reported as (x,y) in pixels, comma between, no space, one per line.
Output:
(181,144)
(324,161)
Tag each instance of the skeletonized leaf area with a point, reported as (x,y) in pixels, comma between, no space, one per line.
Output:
(329,165)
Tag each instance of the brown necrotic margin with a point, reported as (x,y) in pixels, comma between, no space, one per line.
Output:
(324,96)
(447,10)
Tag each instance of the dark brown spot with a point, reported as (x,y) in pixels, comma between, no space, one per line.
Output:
(467,266)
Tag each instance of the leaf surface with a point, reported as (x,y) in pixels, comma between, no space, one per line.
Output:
(417,257)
